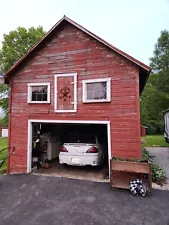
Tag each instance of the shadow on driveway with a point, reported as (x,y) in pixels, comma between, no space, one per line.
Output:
(40,200)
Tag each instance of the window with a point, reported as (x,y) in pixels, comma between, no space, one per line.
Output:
(39,93)
(81,138)
(96,90)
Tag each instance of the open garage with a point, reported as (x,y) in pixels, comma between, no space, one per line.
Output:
(75,149)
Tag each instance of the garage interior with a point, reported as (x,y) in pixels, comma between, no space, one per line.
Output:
(53,136)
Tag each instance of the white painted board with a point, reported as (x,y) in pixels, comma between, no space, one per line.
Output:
(4,132)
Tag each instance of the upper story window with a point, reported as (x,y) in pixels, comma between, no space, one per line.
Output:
(97,90)
(39,93)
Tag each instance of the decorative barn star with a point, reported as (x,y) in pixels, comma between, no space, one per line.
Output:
(65,93)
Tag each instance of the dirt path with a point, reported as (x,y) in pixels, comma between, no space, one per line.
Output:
(161,156)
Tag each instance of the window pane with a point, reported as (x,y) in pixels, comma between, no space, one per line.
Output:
(97,90)
(39,93)
(82,138)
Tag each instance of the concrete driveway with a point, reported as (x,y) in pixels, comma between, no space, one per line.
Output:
(40,200)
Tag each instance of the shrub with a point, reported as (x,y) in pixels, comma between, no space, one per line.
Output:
(155,127)
(157,172)
(145,154)
(151,129)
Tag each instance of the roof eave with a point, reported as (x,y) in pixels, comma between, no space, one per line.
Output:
(165,111)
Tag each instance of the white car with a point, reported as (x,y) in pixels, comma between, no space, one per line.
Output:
(82,150)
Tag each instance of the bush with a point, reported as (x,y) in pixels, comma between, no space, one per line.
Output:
(145,154)
(157,172)
(159,125)
(155,127)
(151,129)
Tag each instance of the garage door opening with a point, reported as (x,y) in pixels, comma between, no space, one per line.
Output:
(74,150)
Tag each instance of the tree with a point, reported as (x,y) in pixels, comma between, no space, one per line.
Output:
(160,70)
(14,46)
(155,97)
(143,113)
(160,63)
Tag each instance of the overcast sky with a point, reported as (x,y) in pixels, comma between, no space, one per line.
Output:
(131,25)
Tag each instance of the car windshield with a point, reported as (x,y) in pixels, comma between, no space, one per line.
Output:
(82,139)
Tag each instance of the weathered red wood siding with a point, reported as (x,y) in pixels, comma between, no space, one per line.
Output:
(70,50)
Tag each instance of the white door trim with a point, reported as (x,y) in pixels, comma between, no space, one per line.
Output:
(30,121)
(56,92)
(29,148)
(109,145)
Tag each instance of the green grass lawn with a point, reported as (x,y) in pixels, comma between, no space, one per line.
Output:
(3,144)
(156,140)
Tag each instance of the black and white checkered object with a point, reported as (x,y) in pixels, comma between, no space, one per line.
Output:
(138,187)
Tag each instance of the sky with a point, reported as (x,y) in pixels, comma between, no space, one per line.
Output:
(131,25)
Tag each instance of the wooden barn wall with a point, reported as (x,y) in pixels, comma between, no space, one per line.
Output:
(69,51)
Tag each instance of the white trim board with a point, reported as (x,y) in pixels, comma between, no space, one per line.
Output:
(56,92)
(30,121)
(70,121)
(29,148)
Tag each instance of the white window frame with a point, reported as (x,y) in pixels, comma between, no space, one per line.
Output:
(108,88)
(30,85)
(56,92)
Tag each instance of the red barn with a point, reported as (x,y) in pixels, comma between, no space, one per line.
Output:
(73,79)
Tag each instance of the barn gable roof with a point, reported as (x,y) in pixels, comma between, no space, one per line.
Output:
(143,67)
